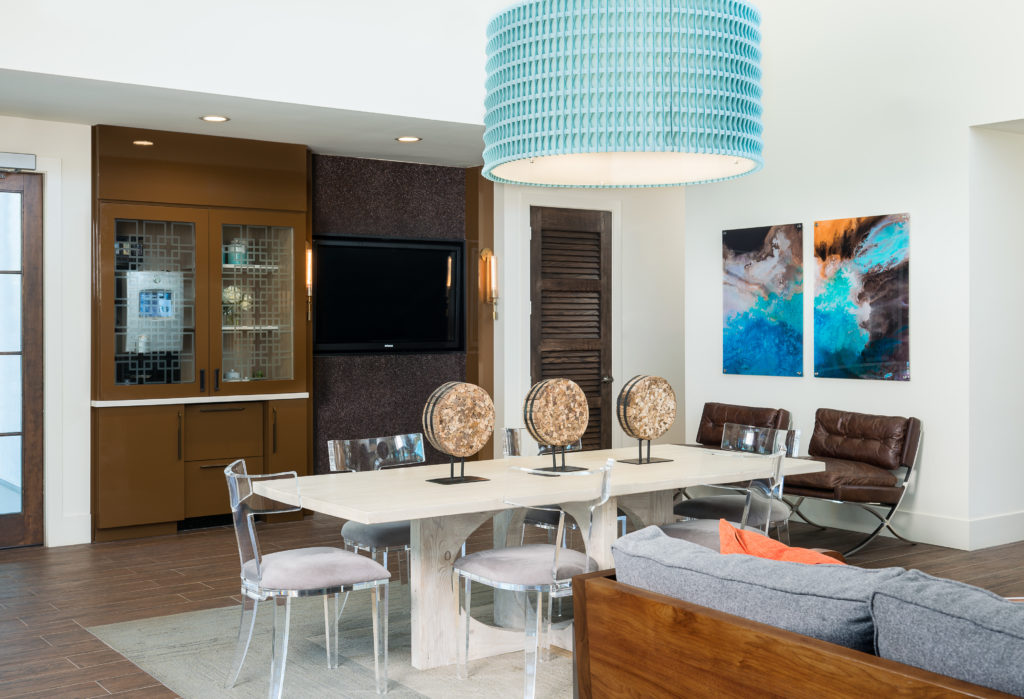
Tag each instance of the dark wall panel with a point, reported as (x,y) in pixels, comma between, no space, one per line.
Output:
(372,395)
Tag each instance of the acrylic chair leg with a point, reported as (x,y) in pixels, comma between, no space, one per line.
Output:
(462,650)
(379,617)
(531,622)
(280,645)
(545,627)
(783,530)
(244,637)
(331,627)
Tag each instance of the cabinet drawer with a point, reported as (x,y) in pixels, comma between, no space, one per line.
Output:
(206,487)
(223,431)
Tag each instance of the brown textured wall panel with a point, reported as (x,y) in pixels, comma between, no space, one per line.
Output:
(353,196)
(373,395)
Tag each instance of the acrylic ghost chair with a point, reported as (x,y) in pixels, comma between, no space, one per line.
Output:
(543,569)
(306,572)
(757,504)
(374,454)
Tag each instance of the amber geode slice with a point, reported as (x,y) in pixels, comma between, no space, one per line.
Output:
(458,418)
(646,407)
(556,412)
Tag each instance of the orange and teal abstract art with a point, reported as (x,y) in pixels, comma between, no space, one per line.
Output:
(862,298)
(763,301)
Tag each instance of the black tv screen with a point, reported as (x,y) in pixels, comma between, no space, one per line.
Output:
(381,295)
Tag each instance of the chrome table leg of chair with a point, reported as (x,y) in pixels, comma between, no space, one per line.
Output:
(884,524)
(798,512)
(279,642)
(244,637)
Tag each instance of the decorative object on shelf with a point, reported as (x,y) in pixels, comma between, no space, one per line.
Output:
(763,301)
(234,302)
(862,298)
(489,280)
(646,408)
(236,252)
(556,413)
(458,419)
(612,93)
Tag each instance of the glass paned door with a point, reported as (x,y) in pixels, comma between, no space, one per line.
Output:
(21,367)
(257,302)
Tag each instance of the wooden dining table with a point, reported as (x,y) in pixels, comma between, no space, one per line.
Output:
(444,516)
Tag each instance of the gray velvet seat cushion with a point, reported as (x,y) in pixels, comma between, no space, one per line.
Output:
(951,628)
(730,507)
(829,602)
(376,535)
(697,531)
(524,565)
(314,568)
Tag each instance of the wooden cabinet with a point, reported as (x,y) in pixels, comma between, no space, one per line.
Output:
(286,435)
(140,470)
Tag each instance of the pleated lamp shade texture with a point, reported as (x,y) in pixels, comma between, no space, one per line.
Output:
(620,93)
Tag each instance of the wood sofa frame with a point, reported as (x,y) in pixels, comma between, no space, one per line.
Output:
(632,642)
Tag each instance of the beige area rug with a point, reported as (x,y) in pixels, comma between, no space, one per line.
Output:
(191,653)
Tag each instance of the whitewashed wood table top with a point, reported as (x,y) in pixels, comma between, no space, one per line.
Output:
(372,497)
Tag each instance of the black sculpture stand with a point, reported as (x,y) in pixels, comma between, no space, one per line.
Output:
(461,478)
(554,467)
(640,455)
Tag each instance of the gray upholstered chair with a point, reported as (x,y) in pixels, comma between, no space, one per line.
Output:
(758,504)
(374,454)
(305,572)
(535,569)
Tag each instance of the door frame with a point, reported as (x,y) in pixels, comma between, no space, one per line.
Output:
(25,528)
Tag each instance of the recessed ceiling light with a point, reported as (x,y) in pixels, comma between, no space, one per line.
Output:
(142,143)
(215,118)
(408,139)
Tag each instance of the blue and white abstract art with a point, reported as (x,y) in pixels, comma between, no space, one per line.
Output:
(763,301)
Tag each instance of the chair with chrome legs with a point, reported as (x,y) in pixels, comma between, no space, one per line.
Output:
(374,454)
(757,504)
(543,569)
(306,572)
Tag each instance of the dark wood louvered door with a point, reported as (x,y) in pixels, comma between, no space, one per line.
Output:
(571,316)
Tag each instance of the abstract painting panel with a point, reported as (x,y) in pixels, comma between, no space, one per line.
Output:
(862,298)
(763,301)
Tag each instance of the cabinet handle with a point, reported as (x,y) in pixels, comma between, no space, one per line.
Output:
(202,380)
(216,379)
(179,435)
(206,466)
(232,409)
(274,431)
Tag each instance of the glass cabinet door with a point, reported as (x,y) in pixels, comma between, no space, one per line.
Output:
(153,324)
(259,324)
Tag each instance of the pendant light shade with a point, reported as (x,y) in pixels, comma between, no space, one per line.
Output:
(623,93)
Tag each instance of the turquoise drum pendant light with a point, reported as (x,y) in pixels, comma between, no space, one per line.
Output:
(623,93)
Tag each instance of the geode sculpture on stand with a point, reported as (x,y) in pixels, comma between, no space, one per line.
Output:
(556,414)
(458,419)
(646,408)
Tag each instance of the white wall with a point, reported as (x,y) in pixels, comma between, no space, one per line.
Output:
(63,156)
(402,57)
(647,290)
(867,109)
(997,335)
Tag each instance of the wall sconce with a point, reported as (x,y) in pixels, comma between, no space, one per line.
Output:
(489,280)
(309,282)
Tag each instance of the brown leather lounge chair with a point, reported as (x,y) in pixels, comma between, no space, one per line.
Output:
(715,415)
(868,463)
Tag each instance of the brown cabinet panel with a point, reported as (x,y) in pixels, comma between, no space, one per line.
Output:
(206,490)
(223,431)
(139,465)
(286,436)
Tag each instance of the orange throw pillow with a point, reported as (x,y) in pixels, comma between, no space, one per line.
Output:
(733,540)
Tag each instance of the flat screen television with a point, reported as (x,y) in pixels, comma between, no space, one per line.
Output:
(387,295)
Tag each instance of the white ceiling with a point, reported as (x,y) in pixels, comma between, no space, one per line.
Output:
(326,131)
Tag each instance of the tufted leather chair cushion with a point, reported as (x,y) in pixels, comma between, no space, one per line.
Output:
(715,415)
(872,439)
